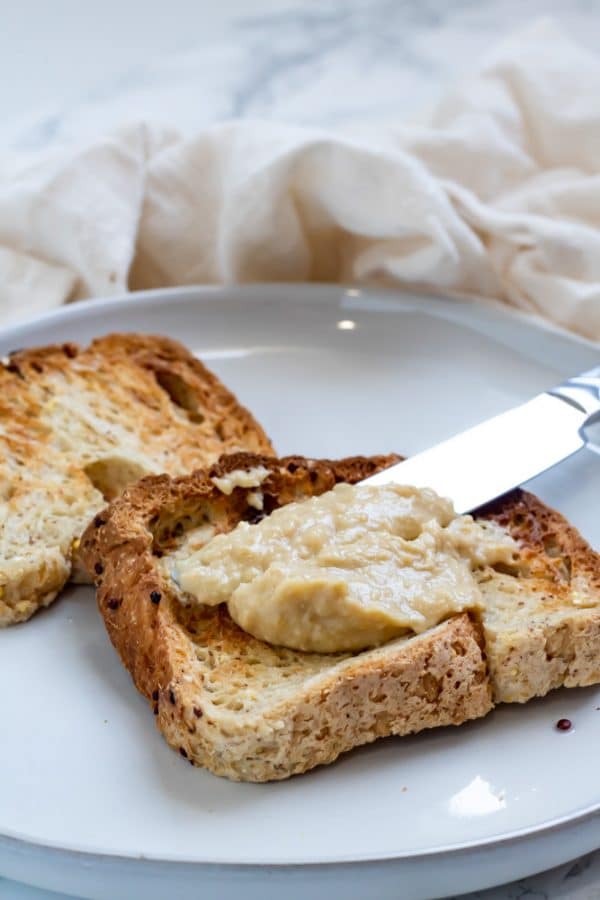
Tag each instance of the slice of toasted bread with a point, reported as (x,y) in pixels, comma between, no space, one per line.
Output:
(542,629)
(251,711)
(78,425)
(238,706)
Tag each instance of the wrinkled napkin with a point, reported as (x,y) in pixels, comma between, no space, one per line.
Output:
(497,196)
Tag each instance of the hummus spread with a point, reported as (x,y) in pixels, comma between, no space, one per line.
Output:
(352,568)
(240,478)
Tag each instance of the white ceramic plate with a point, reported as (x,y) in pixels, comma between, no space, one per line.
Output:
(91,799)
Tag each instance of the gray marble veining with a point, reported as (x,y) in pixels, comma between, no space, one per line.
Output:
(337,62)
(330,63)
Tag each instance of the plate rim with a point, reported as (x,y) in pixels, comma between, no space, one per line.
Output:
(537,831)
(476,303)
(288,293)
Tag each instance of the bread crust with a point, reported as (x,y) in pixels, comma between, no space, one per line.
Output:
(78,424)
(531,638)
(221,697)
(552,636)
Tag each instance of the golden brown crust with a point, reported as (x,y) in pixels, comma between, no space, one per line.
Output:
(249,711)
(553,549)
(231,703)
(77,425)
(550,634)
(173,371)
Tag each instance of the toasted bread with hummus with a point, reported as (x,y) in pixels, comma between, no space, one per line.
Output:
(77,426)
(255,711)
(542,628)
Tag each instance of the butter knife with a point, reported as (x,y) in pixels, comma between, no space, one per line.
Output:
(485,461)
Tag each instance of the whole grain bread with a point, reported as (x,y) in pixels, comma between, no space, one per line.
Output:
(252,711)
(226,701)
(77,426)
(542,626)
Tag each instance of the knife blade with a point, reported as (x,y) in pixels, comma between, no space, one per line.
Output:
(485,461)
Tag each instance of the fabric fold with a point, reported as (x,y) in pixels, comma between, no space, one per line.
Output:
(496,196)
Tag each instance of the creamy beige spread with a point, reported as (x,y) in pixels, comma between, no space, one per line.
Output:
(193,541)
(246,478)
(352,568)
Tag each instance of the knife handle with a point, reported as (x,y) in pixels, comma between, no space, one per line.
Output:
(582,391)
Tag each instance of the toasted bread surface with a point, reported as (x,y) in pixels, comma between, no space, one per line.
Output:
(542,628)
(251,711)
(240,707)
(78,425)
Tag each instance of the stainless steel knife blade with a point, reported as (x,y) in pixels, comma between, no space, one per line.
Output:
(489,459)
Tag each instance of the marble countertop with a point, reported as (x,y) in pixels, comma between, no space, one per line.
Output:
(86,68)
(332,63)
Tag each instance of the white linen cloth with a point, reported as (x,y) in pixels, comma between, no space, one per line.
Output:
(499,195)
